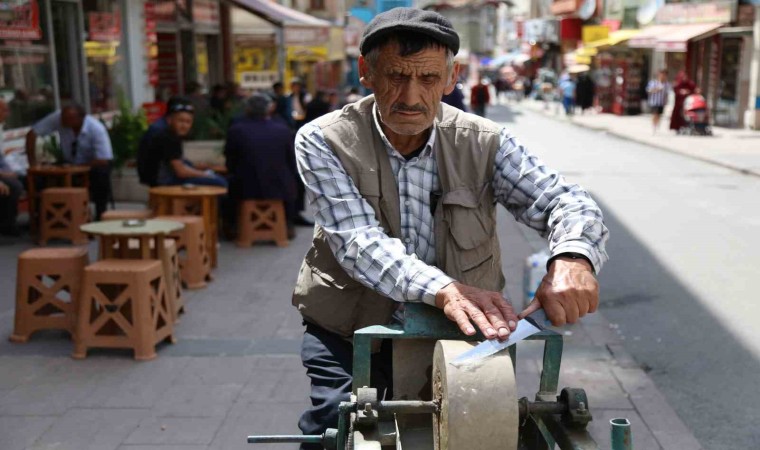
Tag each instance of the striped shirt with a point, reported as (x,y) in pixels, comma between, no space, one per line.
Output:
(658,92)
(404,269)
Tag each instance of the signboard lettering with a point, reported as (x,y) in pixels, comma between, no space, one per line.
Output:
(24,22)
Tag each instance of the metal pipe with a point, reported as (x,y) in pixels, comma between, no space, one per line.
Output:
(408,407)
(286,439)
(621,434)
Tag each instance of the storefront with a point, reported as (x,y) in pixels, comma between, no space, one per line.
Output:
(619,71)
(54,51)
(283,42)
(188,45)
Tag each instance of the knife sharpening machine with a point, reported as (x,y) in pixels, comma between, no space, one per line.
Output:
(439,406)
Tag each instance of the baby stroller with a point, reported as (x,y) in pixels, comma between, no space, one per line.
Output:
(696,116)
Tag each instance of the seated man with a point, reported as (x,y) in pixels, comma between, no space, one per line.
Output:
(260,157)
(10,186)
(84,141)
(165,155)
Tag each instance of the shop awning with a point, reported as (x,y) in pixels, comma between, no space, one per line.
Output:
(677,39)
(615,38)
(278,14)
(671,38)
(647,38)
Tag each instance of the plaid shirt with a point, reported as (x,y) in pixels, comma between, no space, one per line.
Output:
(405,270)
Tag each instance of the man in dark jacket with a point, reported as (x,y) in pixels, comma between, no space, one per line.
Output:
(260,157)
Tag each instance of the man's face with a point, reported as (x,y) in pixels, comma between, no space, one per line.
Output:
(180,123)
(408,89)
(3,111)
(71,118)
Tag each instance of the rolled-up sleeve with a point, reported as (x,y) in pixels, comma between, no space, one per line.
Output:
(357,240)
(540,198)
(48,124)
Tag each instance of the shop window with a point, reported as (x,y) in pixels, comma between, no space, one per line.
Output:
(26,78)
(104,54)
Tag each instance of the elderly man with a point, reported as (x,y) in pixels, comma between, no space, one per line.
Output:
(10,186)
(260,159)
(85,141)
(404,189)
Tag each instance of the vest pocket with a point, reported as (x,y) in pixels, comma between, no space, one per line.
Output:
(468,213)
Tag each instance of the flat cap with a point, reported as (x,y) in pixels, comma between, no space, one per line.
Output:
(429,23)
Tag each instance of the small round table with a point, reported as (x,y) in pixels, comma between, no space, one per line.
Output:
(111,232)
(65,173)
(162,197)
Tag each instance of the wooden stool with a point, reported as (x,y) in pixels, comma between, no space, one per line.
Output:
(262,220)
(124,304)
(194,260)
(64,210)
(47,290)
(127,214)
(172,271)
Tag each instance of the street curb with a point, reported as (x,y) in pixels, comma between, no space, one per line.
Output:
(741,170)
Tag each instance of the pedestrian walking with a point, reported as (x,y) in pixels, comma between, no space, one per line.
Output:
(317,107)
(455,98)
(283,108)
(382,174)
(657,91)
(84,141)
(585,91)
(682,88)
(480,97)
(567,91)
(299,98)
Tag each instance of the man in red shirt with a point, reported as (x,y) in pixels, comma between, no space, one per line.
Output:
(480,97)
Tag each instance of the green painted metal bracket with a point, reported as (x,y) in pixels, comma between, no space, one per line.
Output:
(426,322)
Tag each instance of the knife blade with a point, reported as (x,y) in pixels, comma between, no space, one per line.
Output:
(526,327)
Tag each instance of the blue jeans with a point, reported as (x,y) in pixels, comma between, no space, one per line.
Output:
(569,104)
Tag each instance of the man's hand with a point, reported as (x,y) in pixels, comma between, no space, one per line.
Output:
(4,189)
(491,312)
(568,291)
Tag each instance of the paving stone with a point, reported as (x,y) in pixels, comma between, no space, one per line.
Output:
(15,371)
(19,433)
(664,423)
(164,447)
(175,431)
(642,438)
(217,370)
(91,429)
(271,418)
(197,401)
(43,399)
(601,386)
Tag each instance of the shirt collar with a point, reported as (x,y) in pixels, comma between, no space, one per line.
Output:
(428,145)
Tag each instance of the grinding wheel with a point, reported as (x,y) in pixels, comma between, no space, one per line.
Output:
(478,402)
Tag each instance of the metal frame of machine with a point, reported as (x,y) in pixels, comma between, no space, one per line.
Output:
(548,421)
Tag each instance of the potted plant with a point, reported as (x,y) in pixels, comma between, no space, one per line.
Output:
(126,130)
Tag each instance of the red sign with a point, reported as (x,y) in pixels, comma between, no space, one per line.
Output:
(206,12)
(25,23)
(154,111)
(104,26)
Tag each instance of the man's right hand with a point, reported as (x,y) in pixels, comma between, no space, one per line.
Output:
(489,310)
(4,189)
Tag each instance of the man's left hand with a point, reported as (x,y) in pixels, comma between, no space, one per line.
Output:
(568,291)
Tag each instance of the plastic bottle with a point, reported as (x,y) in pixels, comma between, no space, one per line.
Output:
(533,273)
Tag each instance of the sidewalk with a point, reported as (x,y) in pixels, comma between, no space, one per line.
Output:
(235,369)
(734,149)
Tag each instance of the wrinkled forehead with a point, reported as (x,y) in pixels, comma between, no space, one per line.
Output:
(430,59)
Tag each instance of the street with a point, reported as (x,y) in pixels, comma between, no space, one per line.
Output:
(683,262)
(676,294)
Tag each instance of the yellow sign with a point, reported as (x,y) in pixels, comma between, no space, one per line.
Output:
(305,54)
(591,33)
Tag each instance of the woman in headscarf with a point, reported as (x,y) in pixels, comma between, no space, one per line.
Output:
(683,87)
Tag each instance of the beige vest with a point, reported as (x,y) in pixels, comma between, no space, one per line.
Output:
(466,245)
